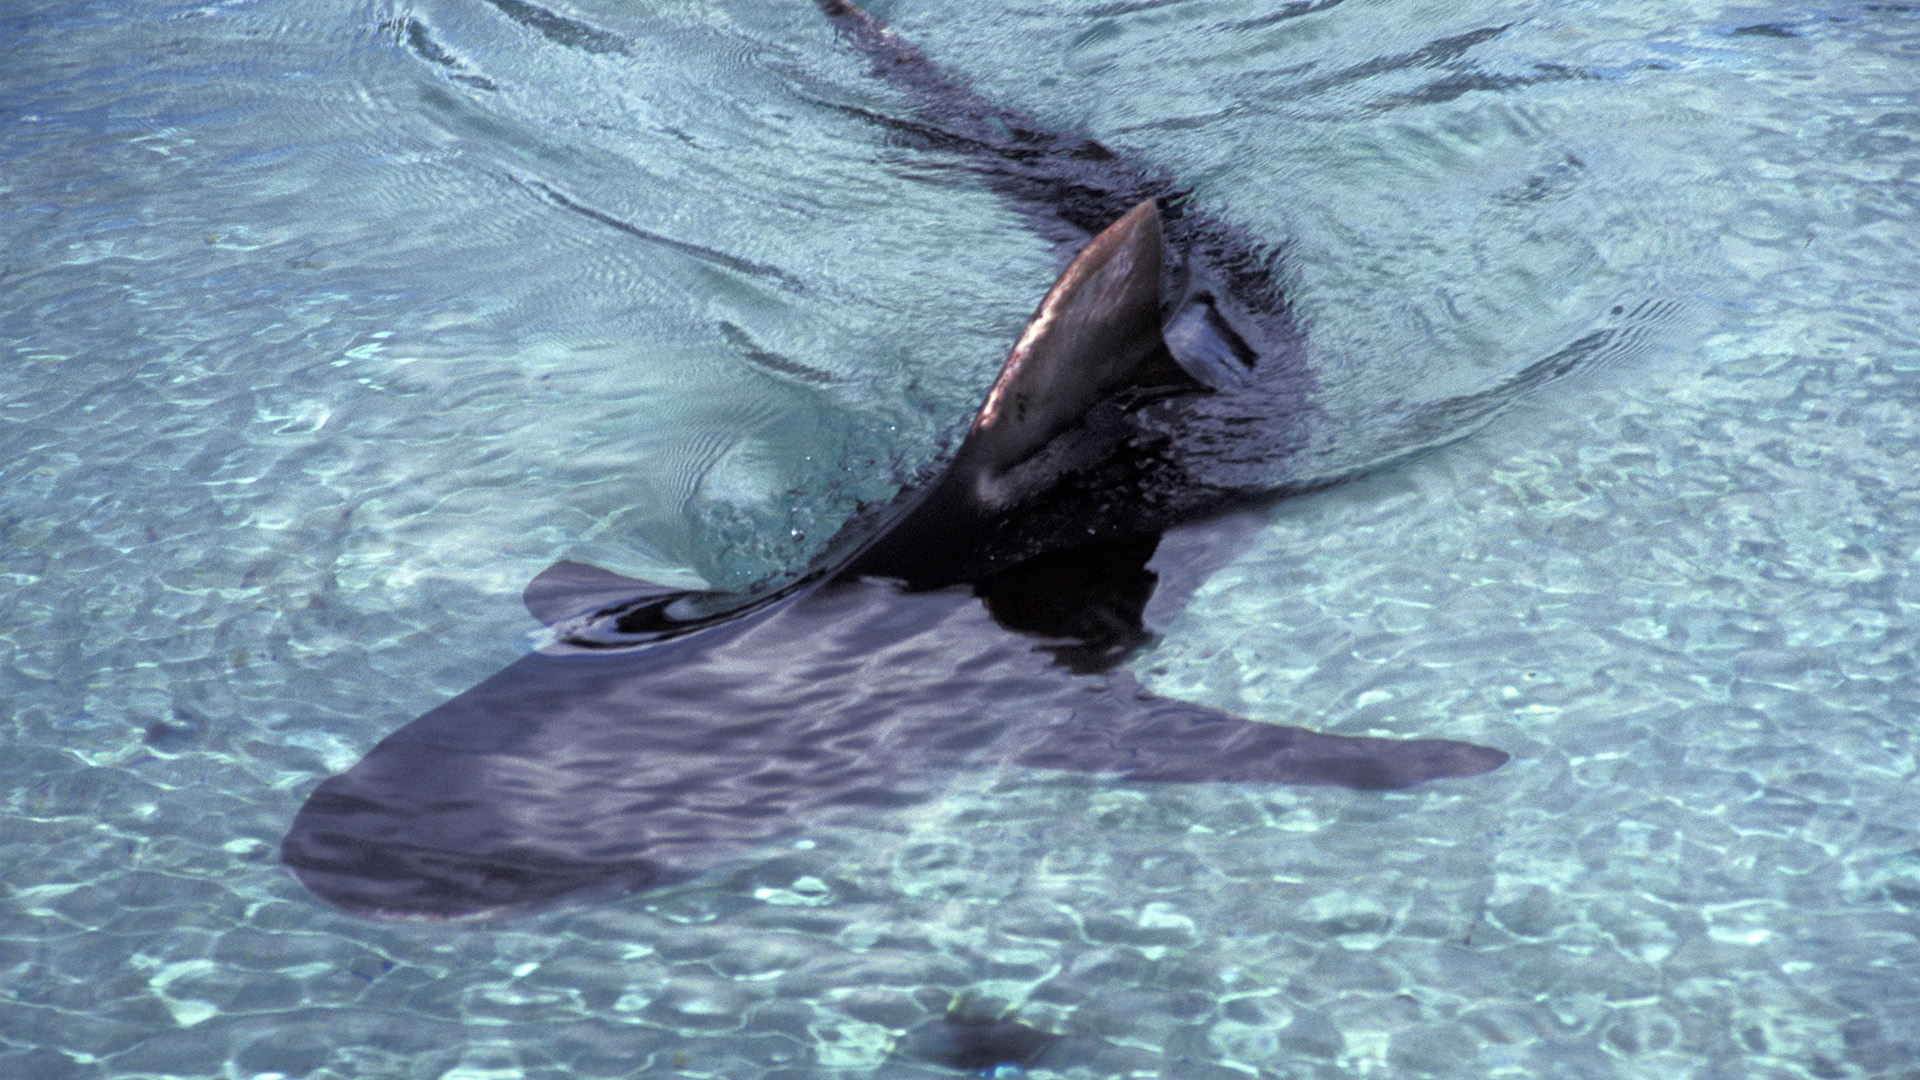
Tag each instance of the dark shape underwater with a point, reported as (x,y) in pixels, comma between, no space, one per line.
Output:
(976,619)
(980,1046)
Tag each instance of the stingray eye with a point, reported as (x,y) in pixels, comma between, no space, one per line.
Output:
(685,609)
(663,614)
(639,621)
(656,617)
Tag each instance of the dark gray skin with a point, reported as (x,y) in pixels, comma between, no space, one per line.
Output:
(975,620)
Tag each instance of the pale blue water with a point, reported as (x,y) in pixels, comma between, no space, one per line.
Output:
(328,325)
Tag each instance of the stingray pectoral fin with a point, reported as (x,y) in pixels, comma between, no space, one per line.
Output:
(481,806)
(396,838)
(1096,333)
(568,589)
(1157,739)
(342,851)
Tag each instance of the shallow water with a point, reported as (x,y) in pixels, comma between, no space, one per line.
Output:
(329,325)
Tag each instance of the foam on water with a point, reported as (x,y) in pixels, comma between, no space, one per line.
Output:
(328,325)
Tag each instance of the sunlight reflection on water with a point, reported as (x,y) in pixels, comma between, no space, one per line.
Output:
(330,325)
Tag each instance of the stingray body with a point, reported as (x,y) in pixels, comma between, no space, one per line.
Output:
(976,619)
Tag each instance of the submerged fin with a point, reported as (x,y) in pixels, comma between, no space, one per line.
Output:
(1155,739)
(1206,345)
(1096,333)
(568,589)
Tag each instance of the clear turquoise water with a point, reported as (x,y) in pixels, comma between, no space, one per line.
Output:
(328,325)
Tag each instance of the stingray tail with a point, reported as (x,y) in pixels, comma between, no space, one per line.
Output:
(891,55)
(1056,177)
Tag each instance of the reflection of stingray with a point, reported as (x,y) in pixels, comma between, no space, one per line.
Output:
(663,731)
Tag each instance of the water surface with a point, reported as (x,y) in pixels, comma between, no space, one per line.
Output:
(329,324)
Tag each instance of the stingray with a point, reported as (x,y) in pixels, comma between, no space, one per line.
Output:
(976,620)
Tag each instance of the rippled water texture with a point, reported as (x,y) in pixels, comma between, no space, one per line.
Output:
(328,325)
